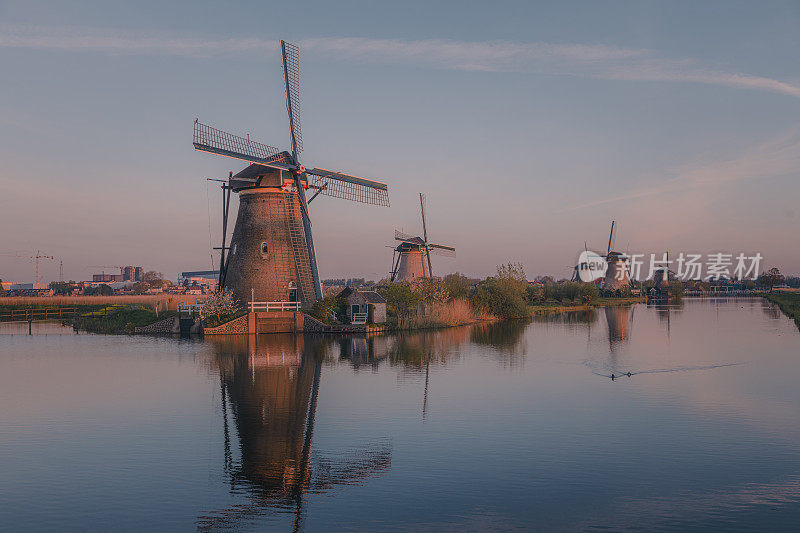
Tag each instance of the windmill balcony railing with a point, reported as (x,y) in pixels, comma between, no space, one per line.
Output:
(190,309)
(274,306)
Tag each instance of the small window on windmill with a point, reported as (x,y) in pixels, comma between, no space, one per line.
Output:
(233,250)
(264,248)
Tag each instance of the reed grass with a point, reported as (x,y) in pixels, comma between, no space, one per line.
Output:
(789,303)
(453,313)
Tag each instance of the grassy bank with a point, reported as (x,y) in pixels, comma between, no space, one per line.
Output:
(118,320)
(547,308)
(789,303)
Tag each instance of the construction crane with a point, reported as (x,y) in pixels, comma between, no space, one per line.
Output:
(106,266)
(103,267)
(35,258)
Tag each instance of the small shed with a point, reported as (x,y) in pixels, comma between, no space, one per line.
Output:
(364,306)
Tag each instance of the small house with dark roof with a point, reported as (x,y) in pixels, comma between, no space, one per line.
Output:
(364,306)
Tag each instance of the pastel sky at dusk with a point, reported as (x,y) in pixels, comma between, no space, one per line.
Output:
(529,126)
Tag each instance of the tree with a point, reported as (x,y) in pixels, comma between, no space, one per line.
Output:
(431,290)
(588,292)
(504,295)
(770,278)
(512,272)
(152,275)
(105,290)
(401,300)
(140,287)
(457,285)
(219,304)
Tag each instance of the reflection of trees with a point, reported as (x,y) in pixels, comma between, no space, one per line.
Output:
(270,384)
(584,316)
(413,350)
(504,336)
(770,309)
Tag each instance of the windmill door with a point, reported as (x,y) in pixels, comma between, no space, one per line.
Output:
(292,292)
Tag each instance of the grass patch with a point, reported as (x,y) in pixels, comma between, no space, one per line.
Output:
(118,319)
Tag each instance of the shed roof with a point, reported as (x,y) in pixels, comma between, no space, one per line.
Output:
(372,297)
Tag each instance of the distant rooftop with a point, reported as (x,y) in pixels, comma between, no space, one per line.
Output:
(200,274)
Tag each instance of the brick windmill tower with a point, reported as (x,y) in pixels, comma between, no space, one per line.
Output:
(617,271)
(271,254)
(412,257)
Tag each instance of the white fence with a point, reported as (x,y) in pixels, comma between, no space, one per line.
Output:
(274,306)
(359,318)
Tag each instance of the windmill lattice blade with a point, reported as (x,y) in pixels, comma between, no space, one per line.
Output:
(438,249)
(349,187)
(212,140)
(400,236)
(291,72)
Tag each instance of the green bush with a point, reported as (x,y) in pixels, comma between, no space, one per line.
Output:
(500,297)
(401,300)
(323,308)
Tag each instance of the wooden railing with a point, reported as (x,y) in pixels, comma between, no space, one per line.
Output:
(359,318)
(25,315)
(274,306)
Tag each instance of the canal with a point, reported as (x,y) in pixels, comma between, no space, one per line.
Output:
(507,426)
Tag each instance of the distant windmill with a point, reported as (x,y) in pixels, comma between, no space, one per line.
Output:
(412,257)
(661,274)
(271,254)
(617,271)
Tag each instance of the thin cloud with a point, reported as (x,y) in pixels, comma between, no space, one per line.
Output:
(775,157)
(594,61)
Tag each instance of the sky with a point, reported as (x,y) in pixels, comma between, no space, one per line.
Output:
(529,126)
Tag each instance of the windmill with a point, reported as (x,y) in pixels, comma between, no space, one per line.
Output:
(271,254)
(412,257)
(617,271)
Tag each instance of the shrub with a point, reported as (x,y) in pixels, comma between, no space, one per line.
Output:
(401,300)
(458,285)
(325,307)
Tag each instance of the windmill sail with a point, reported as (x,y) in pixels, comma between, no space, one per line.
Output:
(347,187)
(440,249)
(400,236)
(212,140)
(291,77)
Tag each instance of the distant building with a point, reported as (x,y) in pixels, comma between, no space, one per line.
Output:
(6,285)
(132,273)
(31,289)
(206,280)
(108,278)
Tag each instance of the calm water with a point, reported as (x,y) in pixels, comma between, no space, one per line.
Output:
(500,427)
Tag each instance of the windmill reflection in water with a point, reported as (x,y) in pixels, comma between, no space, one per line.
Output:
(270,392)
